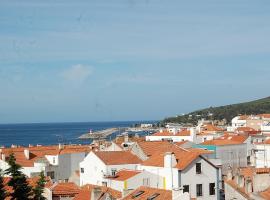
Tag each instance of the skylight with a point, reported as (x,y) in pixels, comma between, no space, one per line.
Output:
(153,196)
(137,194)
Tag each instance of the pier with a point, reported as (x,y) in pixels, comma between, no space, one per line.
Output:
(101,134)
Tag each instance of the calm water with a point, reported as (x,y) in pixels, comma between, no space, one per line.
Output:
(51,133)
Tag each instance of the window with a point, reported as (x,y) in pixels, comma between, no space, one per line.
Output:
(53,160)
(186,188)
(51,174)
(82,170)
(104,183)
(113,172)
(198,168)
(199,190)
(211,188)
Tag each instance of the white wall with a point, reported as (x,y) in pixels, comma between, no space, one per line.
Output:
(262,155)
(208,175)
(94,170)
(173,178)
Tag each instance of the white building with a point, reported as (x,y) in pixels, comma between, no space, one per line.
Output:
(175,136)
(58,162)
(185,170)
(98,166)
(262,154)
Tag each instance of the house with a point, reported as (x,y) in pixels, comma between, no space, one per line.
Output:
(185,170)
(262,154)
(256,122)
(176,136)
(149,193)
(208,132)
(248,183)
(58,162)
(99,165)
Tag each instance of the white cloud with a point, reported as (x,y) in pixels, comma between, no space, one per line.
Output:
(77,73)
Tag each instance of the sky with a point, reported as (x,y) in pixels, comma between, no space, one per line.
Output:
(72,61)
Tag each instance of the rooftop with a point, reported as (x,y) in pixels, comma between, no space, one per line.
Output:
(125,175)
(117,157)
(147,192)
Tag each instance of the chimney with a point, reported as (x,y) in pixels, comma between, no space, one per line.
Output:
(229,174)
(60,146)
(248,185)
(27,154)
(193,134)
(126,138)
(169,160)
(174,131)
(96,193)
(3,157)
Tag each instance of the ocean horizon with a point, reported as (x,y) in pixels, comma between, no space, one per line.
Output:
(25,134)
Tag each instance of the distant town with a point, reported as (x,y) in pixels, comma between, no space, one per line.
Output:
(209,161)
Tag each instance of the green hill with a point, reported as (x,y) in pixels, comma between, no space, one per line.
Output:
(227,112)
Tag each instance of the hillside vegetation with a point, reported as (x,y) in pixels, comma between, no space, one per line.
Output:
(227,112)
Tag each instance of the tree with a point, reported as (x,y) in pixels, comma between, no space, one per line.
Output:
(39,188)
(3,193)
(18,181)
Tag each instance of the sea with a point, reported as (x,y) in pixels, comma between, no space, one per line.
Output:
(55,133)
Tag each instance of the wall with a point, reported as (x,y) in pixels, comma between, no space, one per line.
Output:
(232,155)
(262,155)
(208,175)
(166,178)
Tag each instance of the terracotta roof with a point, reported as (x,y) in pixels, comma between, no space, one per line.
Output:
(83,195)
(85,192)
(250,171)
(146,192)
(265,194)
(184,158)
(200,151)
(246,130)
(233,137)
(167,133)
(39,152)
(210,128)
(125,175)
(31,181)
(265,115)
(69,189)
(150,148)
(243,117)
(117,157)
(221,142)
(120,140)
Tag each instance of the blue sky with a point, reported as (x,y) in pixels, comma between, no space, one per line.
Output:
(129,60)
